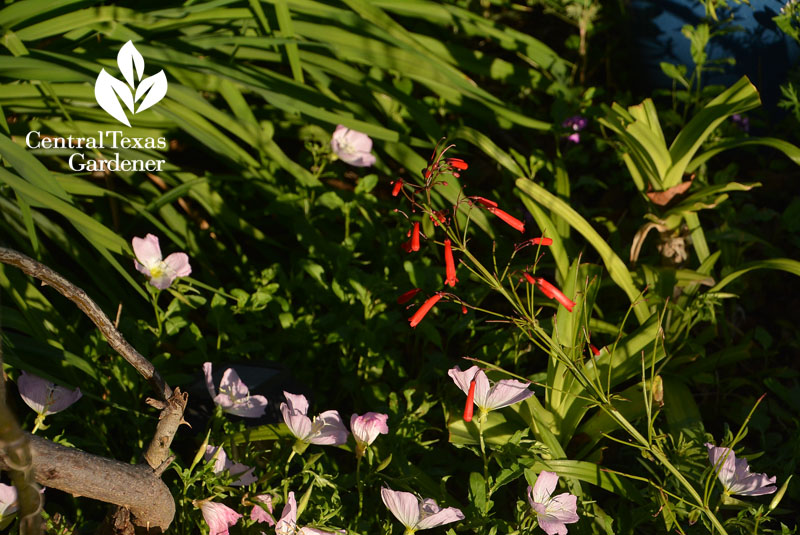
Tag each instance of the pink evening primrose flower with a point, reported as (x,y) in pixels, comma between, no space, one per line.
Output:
(352,147)
(417,514)
(366,428)
(735,475)
(8,504)
(219,517)
(221,462)
(43,396)
(161,272)
(287,525)
(502,394)
(552,512)
(258,514)
(234,396)
(327,429)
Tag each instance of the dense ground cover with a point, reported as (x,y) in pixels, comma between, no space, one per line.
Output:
(509,216)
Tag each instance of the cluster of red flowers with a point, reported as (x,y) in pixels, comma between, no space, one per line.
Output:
(453,166)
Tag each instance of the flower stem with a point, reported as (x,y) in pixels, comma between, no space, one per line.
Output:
(157,312)
(360,488)
(481,419)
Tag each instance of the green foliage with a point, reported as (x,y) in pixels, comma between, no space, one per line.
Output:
(297,258)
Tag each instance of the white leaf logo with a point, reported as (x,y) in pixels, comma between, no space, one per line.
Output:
(109,91)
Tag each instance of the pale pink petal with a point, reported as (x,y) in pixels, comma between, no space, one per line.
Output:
(147,251)
(220,460)
(288,519)
(359,141)
(482,390)
(313,531)
(297,422)
(219,517)
(244,472)
(233,386)
(43,396)
(258,514)
(747,483)
(8,500)
(403,505)
(140,268)
(360,159)
(163,281)
(352,147)
(297,402)
(178,263)
(332,431)
(223,401)
(463,379)
(552,527)
(34,391)
(544,487)
(367,427)
(252,407)
(505,393)
(209,380)
(433,516)
(563,508)
(723,461)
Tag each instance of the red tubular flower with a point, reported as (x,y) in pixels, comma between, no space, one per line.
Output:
(463,309)
(408,296)
(450,265)
(398,185)
(406,246)
(424,309)
(542,241)
(457,163)
(439,217)
(484,201)
(554,293)
(415,238)
(470,404)
(508,218)
(594,349)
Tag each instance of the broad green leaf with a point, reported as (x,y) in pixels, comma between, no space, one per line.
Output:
(739,98)
(616,267)
(781,264)
(791,151)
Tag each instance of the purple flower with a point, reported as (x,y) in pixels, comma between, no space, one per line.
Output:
(326,429)
(735,475)
(575,123)
(258,514)
(502,394)
(417,514)
(8,504)
(742,122)
(161,272)
(366,428)
(287,525)
(221,462)
(552,512)
(219,517)
(352,147)
(43,396)
(234,396)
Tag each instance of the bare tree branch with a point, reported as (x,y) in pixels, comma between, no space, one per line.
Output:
(95,313)
(133,486)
